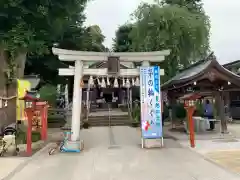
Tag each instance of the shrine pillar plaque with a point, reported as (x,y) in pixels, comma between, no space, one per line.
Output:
(113,66)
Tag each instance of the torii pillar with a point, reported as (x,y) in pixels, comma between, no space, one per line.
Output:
(79,57)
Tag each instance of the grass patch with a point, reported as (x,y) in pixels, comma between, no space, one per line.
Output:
(22,137)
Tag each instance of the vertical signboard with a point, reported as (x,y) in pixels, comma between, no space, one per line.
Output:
(150,92)
(22,86)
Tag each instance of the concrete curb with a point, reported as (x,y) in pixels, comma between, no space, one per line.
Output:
(26,162)
(35,145)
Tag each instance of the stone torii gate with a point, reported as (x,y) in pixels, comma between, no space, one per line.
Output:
(81,57)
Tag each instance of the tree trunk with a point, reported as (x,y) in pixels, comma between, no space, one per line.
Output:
(8,113)
(20,60)
(2,72)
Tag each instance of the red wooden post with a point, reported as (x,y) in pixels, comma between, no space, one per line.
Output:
(44,122)
(42,106)
(190,107)
(29,113)
(190,111)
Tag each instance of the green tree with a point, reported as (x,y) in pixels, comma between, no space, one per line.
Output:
(48,93)
(32,26)
(46,67)
(191,5)
(174,27)
(75,38)
(123,41)
(93,39)
(30,30)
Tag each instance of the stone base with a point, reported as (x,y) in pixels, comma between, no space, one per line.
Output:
(68,118)
(152,143)
(66,127)
(74,145)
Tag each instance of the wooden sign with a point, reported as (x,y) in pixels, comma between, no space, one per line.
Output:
(113,65)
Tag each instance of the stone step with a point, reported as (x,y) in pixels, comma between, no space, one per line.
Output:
(104,121)
(96,109)
(106,117)
(107,124)
(100,110)
(112,119)
(107,120)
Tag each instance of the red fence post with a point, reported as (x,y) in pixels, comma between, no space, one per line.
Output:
(29,113)
(43,109)
(44,122)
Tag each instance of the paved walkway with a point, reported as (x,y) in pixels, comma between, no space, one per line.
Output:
(230,159)
(116,154)
(8,165)
(223,150)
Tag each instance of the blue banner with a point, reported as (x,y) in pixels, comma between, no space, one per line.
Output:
(150,95)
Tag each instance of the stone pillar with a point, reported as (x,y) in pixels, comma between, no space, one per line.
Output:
(130,100)
(227,105)
(121,100)
(88,102)
(217,104)
(172,110)
(119,95)
(77,105)
(222,114)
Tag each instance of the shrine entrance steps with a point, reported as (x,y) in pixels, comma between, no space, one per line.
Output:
(109,118)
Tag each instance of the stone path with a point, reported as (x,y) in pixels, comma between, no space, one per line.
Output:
(8,165)
(223,150)
(223,153)
(126,161)
(230,159)
(207,146)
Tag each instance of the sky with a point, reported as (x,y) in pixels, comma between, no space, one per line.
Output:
(224,15)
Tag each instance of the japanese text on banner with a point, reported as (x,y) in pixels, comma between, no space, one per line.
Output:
(150,102)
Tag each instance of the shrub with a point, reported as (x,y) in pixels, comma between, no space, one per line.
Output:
(199,109)
(22,137)
(136,114)
(48,93)
(180,111)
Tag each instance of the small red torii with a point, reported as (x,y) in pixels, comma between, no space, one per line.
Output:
(31,105)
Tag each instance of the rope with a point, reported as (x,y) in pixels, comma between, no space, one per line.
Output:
(7,98)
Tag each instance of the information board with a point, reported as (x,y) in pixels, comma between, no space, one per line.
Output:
(150,96)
